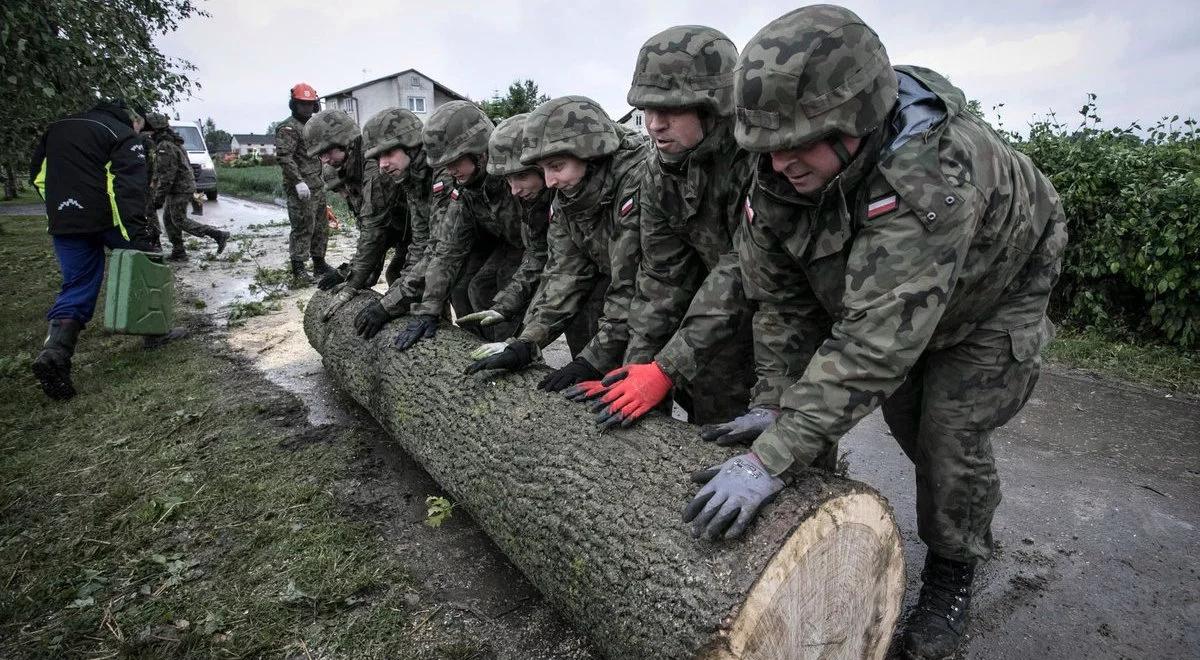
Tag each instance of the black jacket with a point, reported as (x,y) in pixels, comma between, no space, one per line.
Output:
(90,169)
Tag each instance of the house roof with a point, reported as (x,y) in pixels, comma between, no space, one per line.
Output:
(436,85)
(254,138)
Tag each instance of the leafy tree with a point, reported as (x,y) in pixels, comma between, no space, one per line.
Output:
(522,96)
(273,125)
(215,139)
(59,57)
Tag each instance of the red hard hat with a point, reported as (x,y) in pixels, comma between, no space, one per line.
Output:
(304,92)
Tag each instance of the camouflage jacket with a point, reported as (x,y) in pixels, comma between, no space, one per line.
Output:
(592,234)
(378,204)
(172,169)
(924,238)
(294,160)
(486,211)
(690,214)
(149,149)
(427,192)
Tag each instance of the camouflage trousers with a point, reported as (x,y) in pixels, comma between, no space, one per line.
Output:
(176,221)
(493,275)
(587,321)
(310,229)
(943,416)
(721,389)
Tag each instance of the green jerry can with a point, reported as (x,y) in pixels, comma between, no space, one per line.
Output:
(141,295)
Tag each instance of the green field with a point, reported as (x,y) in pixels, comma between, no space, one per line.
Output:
(264,183)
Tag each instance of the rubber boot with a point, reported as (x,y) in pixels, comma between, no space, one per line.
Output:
(300,276)
(178,253)
(151,342)
(52,367)
(936,625)
(320,268)
(221,237)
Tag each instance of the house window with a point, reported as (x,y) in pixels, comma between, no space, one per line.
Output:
(415,82)
(416,104)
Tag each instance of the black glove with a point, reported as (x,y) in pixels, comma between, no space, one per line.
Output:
(332,278)
(575,371)
(515,356)
(425,327)
(371,319)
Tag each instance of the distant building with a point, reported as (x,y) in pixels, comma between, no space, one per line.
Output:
(409,89)
(249,143)
(635,119)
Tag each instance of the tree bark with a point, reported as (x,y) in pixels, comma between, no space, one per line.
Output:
(594,519)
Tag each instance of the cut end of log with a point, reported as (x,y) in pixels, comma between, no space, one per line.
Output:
(833,591)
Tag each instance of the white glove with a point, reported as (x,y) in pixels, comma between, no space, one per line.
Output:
(302,190)
(485,318)
(488,350)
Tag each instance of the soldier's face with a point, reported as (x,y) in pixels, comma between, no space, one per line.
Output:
(563,172)
(333,157)
(462,169)
(525,185)
(809,168)
(674,130)
(305,109)
(394,162)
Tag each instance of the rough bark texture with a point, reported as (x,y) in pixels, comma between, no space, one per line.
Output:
(592,519)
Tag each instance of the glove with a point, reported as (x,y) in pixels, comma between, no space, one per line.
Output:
(515,356)
(370,319)
(575,371)
(332,278)
(585,390)
(742,429)
(302,190)
(485,318)
(488,350)
(424,327)
(630,392)
(733,493)
(345,295)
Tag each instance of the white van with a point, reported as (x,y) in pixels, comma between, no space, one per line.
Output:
(202,164)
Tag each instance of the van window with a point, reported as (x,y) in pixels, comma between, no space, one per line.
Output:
(192,141)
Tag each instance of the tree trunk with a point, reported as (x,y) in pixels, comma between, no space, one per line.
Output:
(594,519)
(10,182)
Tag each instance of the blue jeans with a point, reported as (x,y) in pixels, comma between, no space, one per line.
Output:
(81,260)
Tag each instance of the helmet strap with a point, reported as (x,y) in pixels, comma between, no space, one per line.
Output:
(844,157)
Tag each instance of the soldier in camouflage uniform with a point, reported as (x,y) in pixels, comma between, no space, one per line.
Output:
(482,217)
(303,186)
(921,249)
(173,184)
(595,167)
(146,136)
(693,191)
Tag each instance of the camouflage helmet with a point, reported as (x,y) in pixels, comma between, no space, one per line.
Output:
(157,121)
(504,149)
(814,72)
(573,125)
(328,129)
(388,129)
(685,66)
(454,130)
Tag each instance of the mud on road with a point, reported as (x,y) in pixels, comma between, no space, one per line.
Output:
(1095,537)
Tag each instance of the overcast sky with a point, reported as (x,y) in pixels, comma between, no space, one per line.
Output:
(1141,58)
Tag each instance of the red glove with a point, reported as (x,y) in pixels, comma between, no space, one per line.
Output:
(630,392)
(584,390)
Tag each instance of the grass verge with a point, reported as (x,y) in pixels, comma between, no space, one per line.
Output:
(1124,358)
(179,506)
(26,195)
(264,183)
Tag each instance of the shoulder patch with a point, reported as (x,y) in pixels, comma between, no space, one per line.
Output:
(627,207)
(885,204)
(749,212)
(454,194)
(438,187)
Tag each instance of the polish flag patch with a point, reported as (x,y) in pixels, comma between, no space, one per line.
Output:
(438,187)
(626,207)
(454,194)
(881,206)
(749,212)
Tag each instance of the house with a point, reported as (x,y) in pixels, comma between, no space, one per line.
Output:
(635,119)
(249,143)
(408,89)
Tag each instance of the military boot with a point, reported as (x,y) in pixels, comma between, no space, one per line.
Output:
(300,276)
(320,267)
(178,253)
(936,625)
(52,367)
(221,237)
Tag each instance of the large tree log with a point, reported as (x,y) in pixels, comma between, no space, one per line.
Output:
(594,519)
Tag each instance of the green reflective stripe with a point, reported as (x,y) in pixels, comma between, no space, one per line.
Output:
(39,181)
(112,200)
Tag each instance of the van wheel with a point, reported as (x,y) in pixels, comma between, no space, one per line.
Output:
(212,195)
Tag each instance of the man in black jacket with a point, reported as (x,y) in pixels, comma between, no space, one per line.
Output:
(90,169)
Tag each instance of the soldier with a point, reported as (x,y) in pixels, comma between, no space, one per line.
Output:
(488,237)
(694,188)
(303,187)
(146,137)
(922,248)
(173,184)
(595,167)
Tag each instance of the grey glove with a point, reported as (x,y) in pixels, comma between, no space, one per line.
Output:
(742,429)
(302,190)
(485,318)
(488,350)
(733,493)
(345,295)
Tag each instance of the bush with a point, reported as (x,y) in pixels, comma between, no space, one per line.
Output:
(1133,207)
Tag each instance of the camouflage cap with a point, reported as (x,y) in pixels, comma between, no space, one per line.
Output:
(813,72)
(328,129)
(685,66)
(157,121)
(504,149)
(574,125)
(454,130)
(388,129)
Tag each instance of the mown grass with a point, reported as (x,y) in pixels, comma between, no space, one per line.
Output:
(1118,355)
(264,183)
(25,195)
(179,506)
